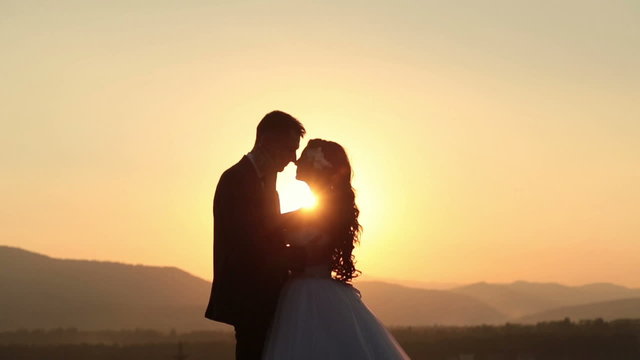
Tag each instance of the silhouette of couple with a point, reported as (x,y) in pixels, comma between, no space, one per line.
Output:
(283,280)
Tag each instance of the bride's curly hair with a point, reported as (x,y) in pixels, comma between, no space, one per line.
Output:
(341,209)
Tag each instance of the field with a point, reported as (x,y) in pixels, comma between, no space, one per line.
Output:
(565,340)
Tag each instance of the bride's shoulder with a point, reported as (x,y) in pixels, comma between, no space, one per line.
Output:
(304,228)
(300,219)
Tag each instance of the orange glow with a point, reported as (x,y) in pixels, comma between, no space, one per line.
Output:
(482,147)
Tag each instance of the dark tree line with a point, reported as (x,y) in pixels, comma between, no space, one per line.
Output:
(73,336)
(584,340)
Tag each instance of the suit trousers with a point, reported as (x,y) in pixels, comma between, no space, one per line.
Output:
(251,338)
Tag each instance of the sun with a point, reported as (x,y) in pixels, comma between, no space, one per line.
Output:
(294,194)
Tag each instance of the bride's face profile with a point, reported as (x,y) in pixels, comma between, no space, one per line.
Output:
(304,166)
(312,165)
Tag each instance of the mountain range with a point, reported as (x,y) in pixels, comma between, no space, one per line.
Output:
(37,291)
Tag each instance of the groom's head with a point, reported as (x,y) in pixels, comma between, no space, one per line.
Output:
(278,135)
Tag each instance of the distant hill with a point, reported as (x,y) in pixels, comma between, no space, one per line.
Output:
(43,292)
(398,305)
(38,291)
(608,310)
(429,285)
(523,298)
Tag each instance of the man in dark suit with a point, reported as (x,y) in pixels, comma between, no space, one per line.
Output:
(251,260)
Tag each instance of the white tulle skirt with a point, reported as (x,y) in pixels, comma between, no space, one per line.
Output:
(321,318)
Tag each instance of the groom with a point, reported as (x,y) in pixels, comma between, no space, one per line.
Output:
(250,258)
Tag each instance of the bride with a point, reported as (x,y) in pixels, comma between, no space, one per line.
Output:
(320,315)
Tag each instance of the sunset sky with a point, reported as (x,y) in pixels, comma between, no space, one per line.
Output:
(490,140)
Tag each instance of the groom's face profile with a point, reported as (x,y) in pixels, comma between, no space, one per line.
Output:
(283,148)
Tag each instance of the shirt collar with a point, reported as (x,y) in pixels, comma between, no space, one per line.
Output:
(262,162)
(254,161)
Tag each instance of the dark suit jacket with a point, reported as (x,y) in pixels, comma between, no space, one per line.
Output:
(249,254)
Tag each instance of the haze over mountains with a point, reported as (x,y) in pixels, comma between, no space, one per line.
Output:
(37,291)
(524,298)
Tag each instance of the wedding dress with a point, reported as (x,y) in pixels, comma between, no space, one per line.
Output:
(324,319)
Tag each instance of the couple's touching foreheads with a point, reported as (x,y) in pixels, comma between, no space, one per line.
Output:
(283,281)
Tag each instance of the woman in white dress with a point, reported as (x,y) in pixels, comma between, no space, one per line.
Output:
(320,314)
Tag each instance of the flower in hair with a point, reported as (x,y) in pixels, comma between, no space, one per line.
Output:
(317,157)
